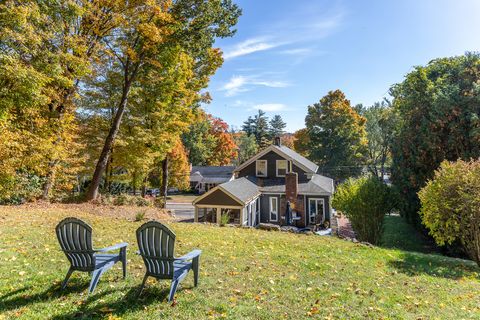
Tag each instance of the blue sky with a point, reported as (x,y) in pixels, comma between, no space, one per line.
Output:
(286,55)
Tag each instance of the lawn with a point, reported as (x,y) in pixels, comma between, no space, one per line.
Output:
(398,234)
(245,274)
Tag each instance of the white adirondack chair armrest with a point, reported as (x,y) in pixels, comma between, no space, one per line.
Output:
(114,247)
(189,256)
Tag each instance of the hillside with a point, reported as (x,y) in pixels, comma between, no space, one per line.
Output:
(248,274)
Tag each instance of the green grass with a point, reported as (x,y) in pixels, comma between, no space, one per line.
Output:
(398,234)
(245,274)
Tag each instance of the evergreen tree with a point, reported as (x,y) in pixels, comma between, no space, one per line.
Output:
(249,126)
(261,129)
(439,119)
(277,126)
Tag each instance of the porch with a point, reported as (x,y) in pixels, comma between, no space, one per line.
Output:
(205,213)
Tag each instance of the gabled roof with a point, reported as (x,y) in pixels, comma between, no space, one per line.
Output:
(213,171)
(242,190)
(287,154)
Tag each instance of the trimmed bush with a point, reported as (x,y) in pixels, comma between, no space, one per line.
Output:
(450,206)
(365,201)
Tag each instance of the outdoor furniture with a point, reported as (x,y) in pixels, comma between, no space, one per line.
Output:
(156,243)
(75,238)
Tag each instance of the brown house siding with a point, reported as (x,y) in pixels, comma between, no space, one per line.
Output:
(219,198)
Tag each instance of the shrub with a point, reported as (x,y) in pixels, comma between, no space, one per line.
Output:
(224,219)
(140,216)
(142,202)
(365,201)
(127,200)
(159,202)
(121,200)
(24,187)
(450,206)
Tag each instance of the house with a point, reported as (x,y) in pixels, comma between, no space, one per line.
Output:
(204,178)
(262,188)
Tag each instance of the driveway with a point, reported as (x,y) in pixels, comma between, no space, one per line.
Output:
(183,211)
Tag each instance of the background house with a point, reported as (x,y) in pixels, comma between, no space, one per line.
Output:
(204,178)
(262,187)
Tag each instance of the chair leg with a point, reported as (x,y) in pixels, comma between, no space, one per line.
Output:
(143,285)
(95,278)
(196,267)
(173,289)
(69,273)
(123,254)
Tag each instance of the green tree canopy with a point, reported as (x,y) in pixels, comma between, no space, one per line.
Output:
(380,127)
(337,137)
(439,119)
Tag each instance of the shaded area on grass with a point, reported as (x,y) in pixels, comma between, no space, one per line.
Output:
(131,302)
(89,308)
(414,264)
(398,234)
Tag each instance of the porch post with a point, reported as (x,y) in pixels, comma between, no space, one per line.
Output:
(241,216)
(195,217)
(219,215)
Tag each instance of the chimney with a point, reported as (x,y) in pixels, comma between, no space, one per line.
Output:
(291,187)
(277,141)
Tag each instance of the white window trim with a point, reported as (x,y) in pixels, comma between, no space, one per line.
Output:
(270,209)
(256,168)
(286,168)
(309,211)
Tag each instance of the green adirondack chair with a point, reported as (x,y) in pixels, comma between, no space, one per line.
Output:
(75,238)
(156,243)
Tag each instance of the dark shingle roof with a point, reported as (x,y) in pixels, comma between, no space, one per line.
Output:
(318,185)
(242,188)
(213,171)
(297,157)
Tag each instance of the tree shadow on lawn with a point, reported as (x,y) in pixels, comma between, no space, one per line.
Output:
(131,300)
(414,264)
(53,292)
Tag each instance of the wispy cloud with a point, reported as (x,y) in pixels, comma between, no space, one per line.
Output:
(270,107)
(297,51)
(238,84)
(249,46)
(305,26)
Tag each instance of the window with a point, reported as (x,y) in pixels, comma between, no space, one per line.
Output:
(315,207)
(282,168)
(273,209)
(261,168)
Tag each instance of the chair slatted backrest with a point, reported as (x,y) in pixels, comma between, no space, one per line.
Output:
(75,237)
(156,243)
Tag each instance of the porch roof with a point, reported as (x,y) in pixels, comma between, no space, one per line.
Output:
(242,190)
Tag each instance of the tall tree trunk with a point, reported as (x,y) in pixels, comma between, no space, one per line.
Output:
(164,185)
(47,186)
(92,193)
(144,187)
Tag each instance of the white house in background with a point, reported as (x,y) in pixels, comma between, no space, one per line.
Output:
(204,178)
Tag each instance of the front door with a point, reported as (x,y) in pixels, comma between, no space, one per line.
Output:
(316,210)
